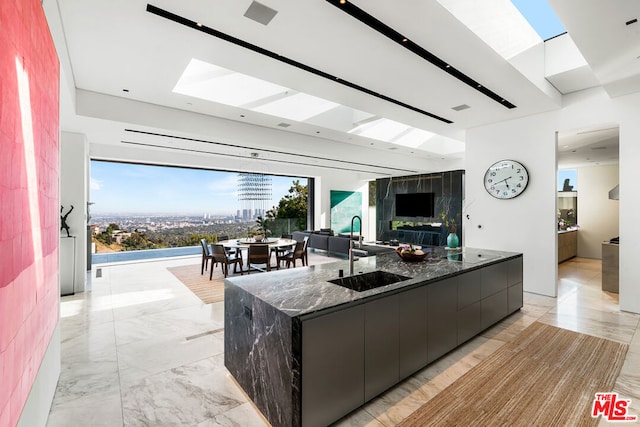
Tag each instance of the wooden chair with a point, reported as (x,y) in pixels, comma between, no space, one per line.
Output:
(293,255)
(280,250)
(220,255)
(230,251)
(206,256)
(259,254)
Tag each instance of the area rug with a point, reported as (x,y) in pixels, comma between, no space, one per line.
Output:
(209,291)
(547,376)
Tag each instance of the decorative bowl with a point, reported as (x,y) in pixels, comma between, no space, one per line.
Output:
(412,256)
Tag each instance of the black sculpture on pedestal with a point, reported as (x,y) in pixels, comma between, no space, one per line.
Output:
(63,220)
(566,186)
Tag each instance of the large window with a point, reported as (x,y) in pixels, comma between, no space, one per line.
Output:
(137,206)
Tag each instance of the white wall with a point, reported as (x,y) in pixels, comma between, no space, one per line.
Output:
(597,215)
(527,224)
(74,164)
(628,110)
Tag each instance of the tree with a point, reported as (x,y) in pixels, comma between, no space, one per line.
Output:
(292,205)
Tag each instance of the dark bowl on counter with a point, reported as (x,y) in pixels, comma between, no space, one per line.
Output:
(412,256)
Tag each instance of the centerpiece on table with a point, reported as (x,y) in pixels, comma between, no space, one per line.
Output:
(260,231)
(411,254)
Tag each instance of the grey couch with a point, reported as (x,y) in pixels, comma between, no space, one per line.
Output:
(335,244)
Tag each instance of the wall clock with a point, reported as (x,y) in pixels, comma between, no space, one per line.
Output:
(506,179)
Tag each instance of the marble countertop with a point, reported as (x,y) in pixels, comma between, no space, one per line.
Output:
(307,290)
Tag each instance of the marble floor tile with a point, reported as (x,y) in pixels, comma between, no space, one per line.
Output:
(186,395)
(95,410)
(396,404)
(245,415)
(91,378)
(187,321)
(140,359)
(358,419)
(139,349)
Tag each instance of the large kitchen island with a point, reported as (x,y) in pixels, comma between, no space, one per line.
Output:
(308,351)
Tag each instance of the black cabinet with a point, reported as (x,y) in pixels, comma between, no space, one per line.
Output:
(494,308)
(494,279)
(381,343)
(412,330)
(332,366)
(442,324)
(469,310)
(494,303)
(351,355)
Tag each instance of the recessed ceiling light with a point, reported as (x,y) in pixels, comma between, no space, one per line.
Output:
(343,1)
(404,40)
(199,24)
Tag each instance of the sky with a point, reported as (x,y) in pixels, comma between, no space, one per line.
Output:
(541,17)
(123,188)
(572,174)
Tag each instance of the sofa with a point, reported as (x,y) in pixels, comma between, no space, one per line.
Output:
(326,240)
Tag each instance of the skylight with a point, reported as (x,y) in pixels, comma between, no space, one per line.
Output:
(541,17)
(216,84)
(510,27)
(497,22)
(207,81)
(298,107)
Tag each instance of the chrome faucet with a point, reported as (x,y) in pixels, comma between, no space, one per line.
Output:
(351,243)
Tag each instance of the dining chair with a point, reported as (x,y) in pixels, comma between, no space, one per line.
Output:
(259,254)
(292,255)
(280,250)
(220,255)
(206,256)
(230,251)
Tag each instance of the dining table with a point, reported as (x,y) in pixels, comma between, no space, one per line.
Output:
(275,244)
(245,243)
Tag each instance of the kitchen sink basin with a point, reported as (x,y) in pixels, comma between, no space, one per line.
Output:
(366,281)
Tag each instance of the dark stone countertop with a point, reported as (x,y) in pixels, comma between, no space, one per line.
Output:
(306,290)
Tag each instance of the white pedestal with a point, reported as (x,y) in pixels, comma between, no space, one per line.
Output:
(67,265)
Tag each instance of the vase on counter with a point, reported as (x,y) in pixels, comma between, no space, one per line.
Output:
(452,240)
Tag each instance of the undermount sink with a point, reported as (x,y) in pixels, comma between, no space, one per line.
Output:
(366,281)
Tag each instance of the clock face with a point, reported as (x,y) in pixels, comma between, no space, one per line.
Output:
(506,179)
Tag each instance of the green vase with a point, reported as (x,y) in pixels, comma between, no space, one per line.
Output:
(452,240)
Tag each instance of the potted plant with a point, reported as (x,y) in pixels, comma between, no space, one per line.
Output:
(452,227)
(260,231)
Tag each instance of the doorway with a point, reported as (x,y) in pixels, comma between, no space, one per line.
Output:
(587,205)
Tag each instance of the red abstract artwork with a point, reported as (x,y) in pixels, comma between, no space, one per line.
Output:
(29,201)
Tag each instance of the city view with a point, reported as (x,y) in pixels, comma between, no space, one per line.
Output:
(136,207)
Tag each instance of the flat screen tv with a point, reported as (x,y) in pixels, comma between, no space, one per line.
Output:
(415,204)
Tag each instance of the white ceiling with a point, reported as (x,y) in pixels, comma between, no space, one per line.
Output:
(117,49)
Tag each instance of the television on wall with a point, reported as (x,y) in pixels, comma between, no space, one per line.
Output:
(415,205)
